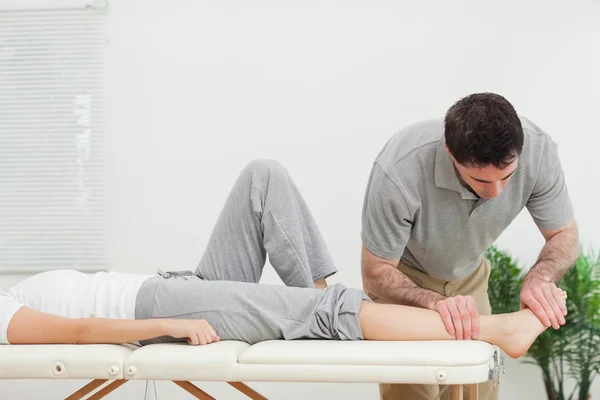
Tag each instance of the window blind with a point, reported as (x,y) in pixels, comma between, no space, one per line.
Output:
(52,187)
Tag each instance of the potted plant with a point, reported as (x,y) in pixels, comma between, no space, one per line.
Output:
(582,336)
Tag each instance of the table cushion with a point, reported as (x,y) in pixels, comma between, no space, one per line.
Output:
(94,361)
(437,353)
(180,361)
(430,362)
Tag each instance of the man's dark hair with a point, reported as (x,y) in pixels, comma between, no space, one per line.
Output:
(483,129)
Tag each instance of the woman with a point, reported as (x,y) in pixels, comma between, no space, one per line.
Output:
(222,300)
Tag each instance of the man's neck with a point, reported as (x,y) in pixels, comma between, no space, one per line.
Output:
(463,183)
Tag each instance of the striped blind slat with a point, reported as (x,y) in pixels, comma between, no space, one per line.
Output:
(52,199)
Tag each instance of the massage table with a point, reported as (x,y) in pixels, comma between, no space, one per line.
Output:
(449,363)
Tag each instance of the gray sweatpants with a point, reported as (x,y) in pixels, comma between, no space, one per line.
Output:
(264,214)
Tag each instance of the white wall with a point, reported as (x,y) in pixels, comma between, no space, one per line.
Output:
(197,89)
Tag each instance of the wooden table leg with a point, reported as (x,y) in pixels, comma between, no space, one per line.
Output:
(474,392)
(194,390)
(107,389)
(457,392)
(90,387)
(247,390)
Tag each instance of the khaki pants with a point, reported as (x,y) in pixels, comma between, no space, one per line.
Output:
(475,285)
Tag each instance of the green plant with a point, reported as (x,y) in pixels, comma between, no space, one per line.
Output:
(573,351)
(582,284)
(504,283)
(548,352)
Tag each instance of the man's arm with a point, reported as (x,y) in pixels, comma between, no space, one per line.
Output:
(383,279)
(386,226)
(558,254)
(539,291)
(552,210)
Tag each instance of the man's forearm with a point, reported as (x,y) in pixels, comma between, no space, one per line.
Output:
(393,286)
(558,254)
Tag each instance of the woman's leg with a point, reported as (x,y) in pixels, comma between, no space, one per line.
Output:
(514,332)
(265,214)
(253,312)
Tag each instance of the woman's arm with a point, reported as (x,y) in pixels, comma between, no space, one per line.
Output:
(33,327)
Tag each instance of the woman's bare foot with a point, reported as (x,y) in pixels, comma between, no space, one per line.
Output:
(521,330)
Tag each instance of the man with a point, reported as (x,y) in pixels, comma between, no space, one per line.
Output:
(439,194)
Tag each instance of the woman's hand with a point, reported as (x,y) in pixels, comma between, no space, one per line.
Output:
(196,331)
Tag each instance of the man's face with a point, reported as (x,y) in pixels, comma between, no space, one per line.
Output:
(487,182)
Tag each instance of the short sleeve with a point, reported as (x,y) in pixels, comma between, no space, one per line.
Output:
(549,204)
(8,308)
(386,217)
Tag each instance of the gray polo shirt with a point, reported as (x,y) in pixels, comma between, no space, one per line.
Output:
(416,210)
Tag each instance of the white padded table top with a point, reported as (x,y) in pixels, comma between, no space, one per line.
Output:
(444,362)
(96,361)
(438,353)
(180,361)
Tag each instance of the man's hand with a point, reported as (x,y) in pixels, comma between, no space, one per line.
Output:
(543,298)
(460,316)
